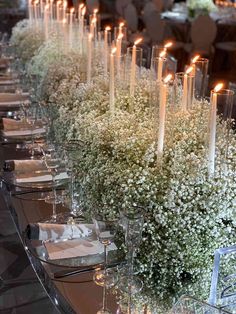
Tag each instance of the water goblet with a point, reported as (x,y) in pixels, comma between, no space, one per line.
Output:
(106,231)
(132,223)
(106,278)
(52,163)
(67,153)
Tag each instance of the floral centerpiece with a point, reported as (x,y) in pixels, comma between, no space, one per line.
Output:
(187,213)
(198,7)
(26,40)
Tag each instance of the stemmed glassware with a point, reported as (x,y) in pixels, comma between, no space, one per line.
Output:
(52,162)
(106,278)
(132,223)
(67,154)
(35,119)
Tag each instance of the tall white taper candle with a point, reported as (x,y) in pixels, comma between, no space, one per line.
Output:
(162,114)
(106,49)
(46,16)
(112,81)
(89,59)
(212,129)
(186,89)
(133,67)
(160,65)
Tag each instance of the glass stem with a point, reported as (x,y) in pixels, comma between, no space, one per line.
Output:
(104,298)
(72,192)
(131,261)
(32,144)
(54,204)
(105,258)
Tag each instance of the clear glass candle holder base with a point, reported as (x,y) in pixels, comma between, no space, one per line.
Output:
(104,312)
(131,284)
(107,278)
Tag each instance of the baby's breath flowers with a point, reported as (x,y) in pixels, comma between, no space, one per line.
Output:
(187,213)
(26,40)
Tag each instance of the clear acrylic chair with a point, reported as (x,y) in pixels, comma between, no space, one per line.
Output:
(203,34)
(223,282)
(190,305)
(131,17)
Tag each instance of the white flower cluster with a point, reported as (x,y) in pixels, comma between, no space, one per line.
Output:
(203,5)
(26,40)
(187,213)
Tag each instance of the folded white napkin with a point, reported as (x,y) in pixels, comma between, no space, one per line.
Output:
(8,99)
(13,125)
(28,166)
(43,178)
(60,232)
(23,132)
(75,248)
(7,82)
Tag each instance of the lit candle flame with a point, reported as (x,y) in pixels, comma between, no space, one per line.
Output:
(81,6)
(72,10)
(83,11)
(121,24)
(95,11)
(120,36)
(108,28)
(168,44)
(65,4)
(94,20)
(64,21)
(218,87)
(162,54)
(90,36)
(138,41)
(189,70)
(58,3)
(46,7)
(194,60)
(113,51)
(167,78)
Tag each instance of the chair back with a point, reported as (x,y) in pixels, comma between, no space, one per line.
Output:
(121,5)
(92,5)
(159,4)
(203,33)
(168,4)
(155,27)
(223,278)
(131,17)
(147,10)
(190,305)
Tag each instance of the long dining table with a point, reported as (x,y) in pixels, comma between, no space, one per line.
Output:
(75,293)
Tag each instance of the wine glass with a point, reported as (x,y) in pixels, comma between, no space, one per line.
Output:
(106,231)
(75,206)
(106,278)
(132,222)
(52,162)
(35,122)
(66,153)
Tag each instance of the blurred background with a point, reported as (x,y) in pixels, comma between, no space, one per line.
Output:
(204,27)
